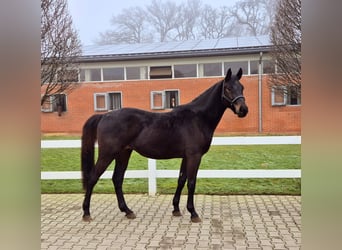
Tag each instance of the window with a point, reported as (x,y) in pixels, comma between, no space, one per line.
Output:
(55,103)
(136,73)
(100,102)
(185,70)
(107,101)
(211,69)
(157,100)
(293,96)
(166,99)
(87,75)
(286,96)
(46,107)
(291,65)
(67,76)
(278,96)
(160,72)
(114,101)
(254,67)
(113,74)
(235,66)
(171,99)
(268,67)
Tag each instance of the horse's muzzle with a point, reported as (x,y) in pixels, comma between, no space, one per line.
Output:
(240,109)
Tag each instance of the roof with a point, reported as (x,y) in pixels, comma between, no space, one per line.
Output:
(174,49)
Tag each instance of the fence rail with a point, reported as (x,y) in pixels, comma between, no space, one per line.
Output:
(152,173)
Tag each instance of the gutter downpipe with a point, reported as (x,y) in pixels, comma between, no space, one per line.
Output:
(260,92)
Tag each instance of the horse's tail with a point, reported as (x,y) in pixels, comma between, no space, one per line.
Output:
(89,136)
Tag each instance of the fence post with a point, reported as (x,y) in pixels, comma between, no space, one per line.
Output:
(152,177)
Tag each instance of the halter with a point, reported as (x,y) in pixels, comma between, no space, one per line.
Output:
(231,102)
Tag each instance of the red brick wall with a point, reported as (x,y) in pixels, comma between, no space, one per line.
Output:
(80,105)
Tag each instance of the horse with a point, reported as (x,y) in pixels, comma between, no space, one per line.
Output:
(184,132)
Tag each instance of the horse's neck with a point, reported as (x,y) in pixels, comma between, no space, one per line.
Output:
(210,106)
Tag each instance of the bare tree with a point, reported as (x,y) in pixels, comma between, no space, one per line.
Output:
(269,7)
(216,23)
(253,17)
(129,27)
(60,46)
(187,20)
(163,17)
(286,38)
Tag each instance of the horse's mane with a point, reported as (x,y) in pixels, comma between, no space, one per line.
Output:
(204,96)
(201,101)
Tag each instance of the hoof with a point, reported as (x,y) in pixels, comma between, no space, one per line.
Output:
(176,213)
(131,216)
(87,218)
(196,219)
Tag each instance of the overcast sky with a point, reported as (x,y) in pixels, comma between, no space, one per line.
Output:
(92,17)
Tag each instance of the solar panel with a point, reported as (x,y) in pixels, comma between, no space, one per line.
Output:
(227,42)
(188,45)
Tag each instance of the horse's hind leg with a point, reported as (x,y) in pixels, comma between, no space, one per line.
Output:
(181,183)
(101,165)
(118,177)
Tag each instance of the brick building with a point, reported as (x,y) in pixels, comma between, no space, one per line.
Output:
(157,76)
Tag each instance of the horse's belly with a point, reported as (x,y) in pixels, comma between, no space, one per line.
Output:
(159,152)
(159,147)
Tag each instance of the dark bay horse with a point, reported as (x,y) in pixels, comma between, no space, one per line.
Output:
(185,132)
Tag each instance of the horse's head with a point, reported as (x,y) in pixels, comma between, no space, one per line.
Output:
(232,93)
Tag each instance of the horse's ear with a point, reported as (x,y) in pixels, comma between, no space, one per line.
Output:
(228,75)
(239,74)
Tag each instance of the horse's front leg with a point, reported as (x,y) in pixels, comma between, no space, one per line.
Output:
(118,177)
(181,183)
(192,169)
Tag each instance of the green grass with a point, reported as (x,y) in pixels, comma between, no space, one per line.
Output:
(218,157)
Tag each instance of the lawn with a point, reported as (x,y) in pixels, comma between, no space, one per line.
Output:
(218,157)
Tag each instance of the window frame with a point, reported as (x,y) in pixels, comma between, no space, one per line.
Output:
(273,96)
(122,74)
(163,94)
(51,103)
(166,106)
(96,108)
(74,72)
(245,68)
(142,75)
(106,96)
(153,106)
(154,75)
(286,95)
(48,108)
(109,94)
(202,70)
(268,67)
(185,64)
(257,69)
(87,74)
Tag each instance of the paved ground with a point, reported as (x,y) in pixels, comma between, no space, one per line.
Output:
(228,222)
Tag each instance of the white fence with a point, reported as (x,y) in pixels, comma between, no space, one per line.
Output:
(152,173)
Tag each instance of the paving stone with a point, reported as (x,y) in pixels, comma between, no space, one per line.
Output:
(228,222)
